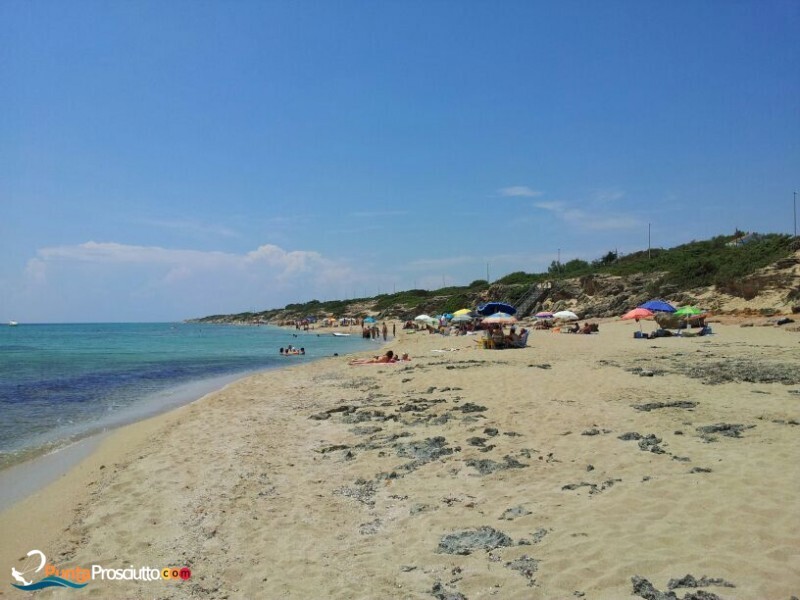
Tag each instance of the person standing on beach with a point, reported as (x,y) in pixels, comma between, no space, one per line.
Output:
(385,331)
(394,330)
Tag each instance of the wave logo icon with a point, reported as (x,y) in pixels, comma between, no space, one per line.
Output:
(29,567)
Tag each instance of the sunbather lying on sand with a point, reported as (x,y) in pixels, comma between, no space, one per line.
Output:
(389,357)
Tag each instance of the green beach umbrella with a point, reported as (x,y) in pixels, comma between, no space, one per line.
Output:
(688,311)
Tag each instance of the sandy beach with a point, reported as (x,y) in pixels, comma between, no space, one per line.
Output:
(560,470)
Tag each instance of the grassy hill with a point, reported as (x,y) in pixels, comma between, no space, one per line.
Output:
(729,265)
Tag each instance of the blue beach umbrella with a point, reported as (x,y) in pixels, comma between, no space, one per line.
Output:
(494,307)
(369,320)
(658,305)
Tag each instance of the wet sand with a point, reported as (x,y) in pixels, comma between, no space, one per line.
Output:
(575,468)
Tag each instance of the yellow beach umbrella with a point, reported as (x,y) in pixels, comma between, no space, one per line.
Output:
(463,311)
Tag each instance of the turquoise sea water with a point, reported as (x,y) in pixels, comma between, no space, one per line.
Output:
(59,383)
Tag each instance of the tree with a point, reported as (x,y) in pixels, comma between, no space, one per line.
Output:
(608,258)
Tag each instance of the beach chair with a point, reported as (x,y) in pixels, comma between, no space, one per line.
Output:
(485,343)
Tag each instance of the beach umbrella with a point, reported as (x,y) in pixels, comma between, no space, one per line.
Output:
(566,315)
(494,307)
(461,319)
(658,305)
(428,320)
(638,313)
(688,312)
(462,311)
(544,315)
(369,320)
(500,317)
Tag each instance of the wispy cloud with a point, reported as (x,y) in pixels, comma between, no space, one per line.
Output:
(595,219)
(266,277)
(283,263)
(190,226)
(555,205)
(519,190)
(608,196)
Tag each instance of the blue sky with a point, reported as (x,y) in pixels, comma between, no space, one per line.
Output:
(166,160)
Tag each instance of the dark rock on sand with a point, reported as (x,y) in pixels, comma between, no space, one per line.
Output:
(331,448)
(490,431)
(743,370)
(650,443)
(631,435)
(727,429)
(344,408)
(367,415)
(366,430)
(363,491)
(370,528)
(469,407)
(538,535)
(440,593)
(699,470)
(690,582)
(476,441)
(685,404)
(486,466)
(644,589)
(468,540)
(525,565)
(423,452)
(593,487)
(512,513)
(701,595)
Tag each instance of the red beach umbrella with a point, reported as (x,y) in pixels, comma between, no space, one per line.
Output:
(638,313)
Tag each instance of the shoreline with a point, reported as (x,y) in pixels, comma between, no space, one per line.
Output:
(343,481)
(29,470)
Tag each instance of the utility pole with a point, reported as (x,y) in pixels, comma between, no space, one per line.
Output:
(648,241)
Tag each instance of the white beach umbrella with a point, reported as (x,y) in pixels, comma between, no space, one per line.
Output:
(427,319)
(461,319)
(566,315)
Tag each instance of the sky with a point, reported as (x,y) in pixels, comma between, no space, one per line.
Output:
(168,160)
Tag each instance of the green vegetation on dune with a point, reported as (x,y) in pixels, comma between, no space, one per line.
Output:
(718,262)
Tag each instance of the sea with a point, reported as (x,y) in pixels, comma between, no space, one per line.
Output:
(60,383)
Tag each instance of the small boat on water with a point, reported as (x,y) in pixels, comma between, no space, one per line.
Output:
(12,323)
(337,334)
